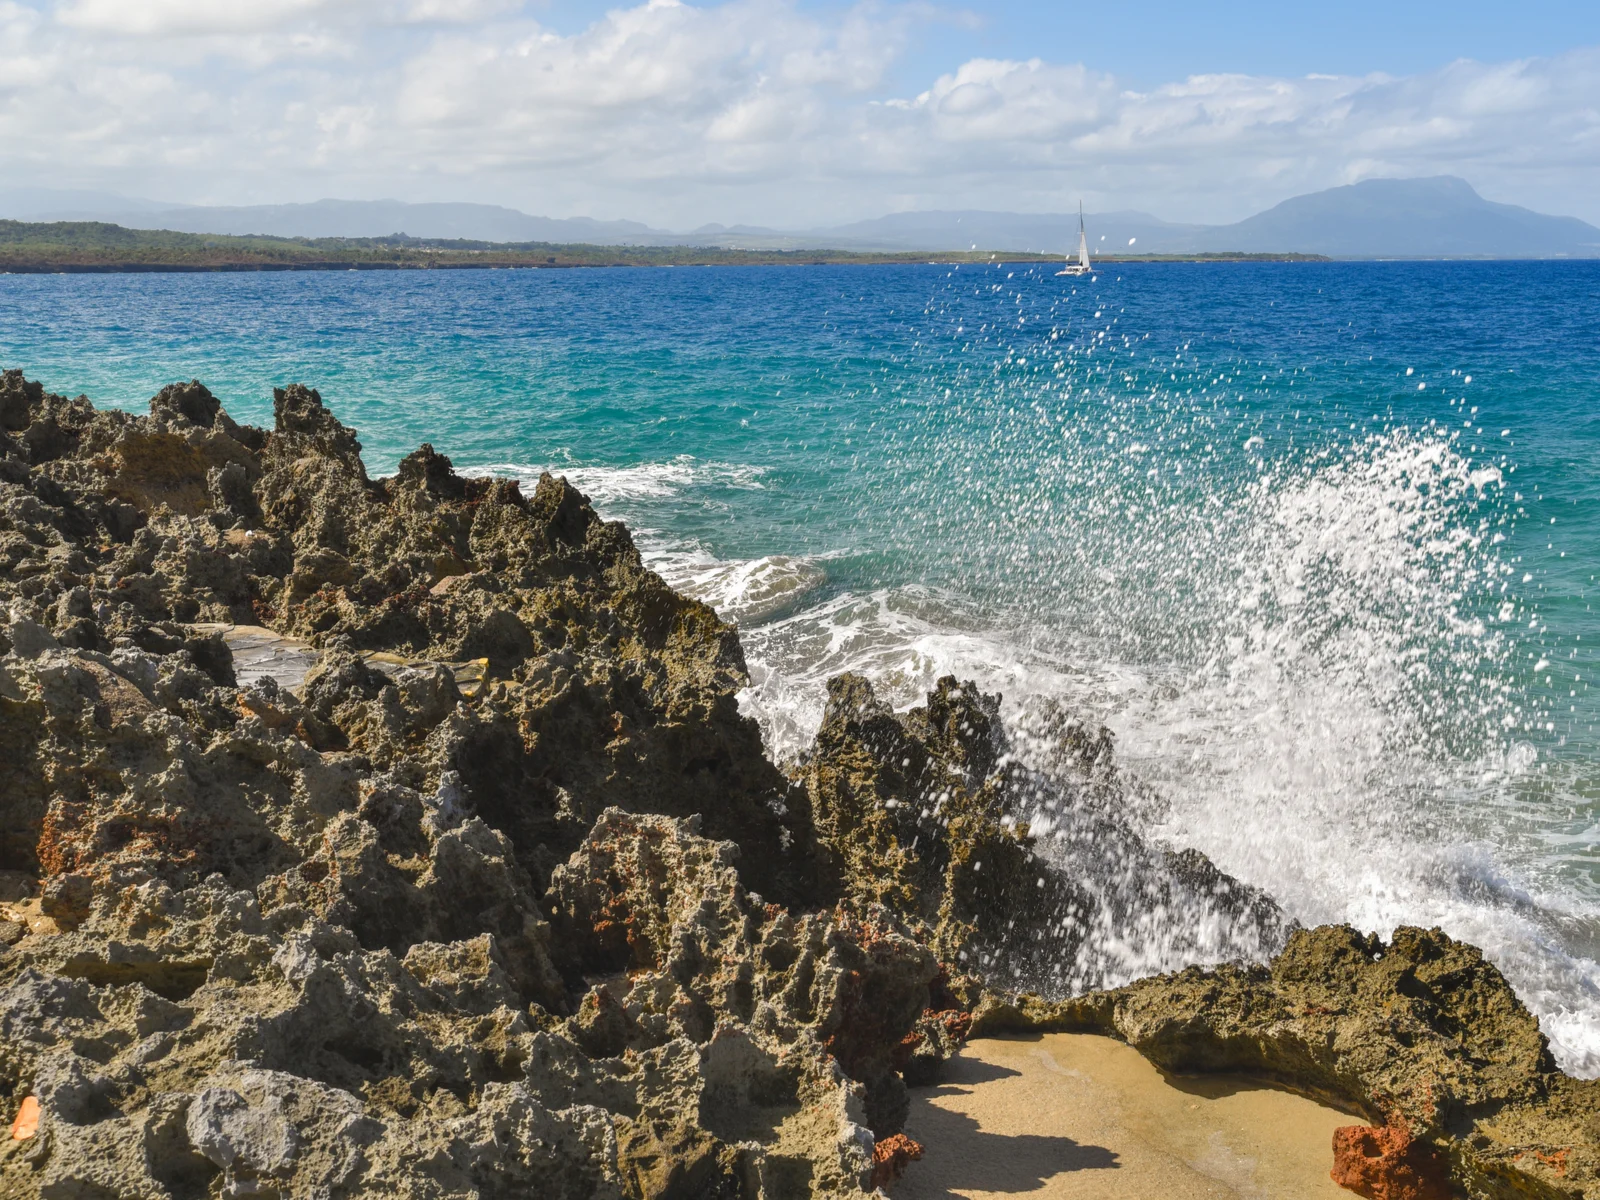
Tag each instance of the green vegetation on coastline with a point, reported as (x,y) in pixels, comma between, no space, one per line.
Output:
(94,246)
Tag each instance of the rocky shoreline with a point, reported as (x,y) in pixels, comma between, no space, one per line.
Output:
(498,894)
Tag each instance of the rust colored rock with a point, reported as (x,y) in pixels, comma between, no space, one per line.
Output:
(891,1156)
(1386,1163)
(938,1034)
(27,1122)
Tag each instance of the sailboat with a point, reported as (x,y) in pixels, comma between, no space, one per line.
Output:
(1081,267)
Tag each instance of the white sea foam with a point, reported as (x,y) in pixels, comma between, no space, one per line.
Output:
(903,639)
(741,590)
(1345,749)
(608,487)
(1345,745)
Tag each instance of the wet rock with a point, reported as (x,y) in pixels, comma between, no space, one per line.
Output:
(1009,867)
(919,819)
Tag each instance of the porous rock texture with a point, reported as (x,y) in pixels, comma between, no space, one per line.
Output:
(377,936)
(1015,864)
(1421,1035)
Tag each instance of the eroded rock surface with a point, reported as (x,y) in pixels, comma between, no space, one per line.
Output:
(1021,867)
(492,892)
(1420,1035)
(381,934)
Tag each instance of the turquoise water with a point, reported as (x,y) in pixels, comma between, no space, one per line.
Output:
(1317,541)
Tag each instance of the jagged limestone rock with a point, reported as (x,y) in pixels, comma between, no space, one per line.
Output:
(1009,867)
(304,942)
(916,810)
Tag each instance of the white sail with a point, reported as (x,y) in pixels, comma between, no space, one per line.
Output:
(1081,267)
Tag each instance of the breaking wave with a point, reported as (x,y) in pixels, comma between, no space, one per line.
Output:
(610,486)
(1348,727)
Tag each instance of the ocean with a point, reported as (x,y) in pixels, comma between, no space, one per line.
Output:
(1318,542)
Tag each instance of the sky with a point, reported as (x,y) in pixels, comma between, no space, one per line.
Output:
(796,114)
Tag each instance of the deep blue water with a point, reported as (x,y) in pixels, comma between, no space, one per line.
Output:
(1318,541)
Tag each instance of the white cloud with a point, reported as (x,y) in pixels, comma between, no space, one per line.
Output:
(992,100)
(752,110)
(186,18)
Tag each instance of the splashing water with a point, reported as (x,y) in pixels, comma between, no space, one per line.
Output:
(1339,624)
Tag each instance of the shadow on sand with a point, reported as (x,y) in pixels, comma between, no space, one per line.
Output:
(961,1156)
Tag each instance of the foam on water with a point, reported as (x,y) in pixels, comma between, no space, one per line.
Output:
(1354,744)
(1315,666)
(741,591)
(610,486)
(903,639)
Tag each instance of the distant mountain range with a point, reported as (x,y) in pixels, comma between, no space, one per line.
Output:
(1439,217)
(324,218)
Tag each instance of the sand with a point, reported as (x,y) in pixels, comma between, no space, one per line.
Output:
(1075,1115)
(260,652)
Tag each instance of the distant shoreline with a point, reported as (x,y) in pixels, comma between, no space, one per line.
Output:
(854,261)
(91,247)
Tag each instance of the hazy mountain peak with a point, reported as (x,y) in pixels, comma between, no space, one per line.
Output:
(30,203)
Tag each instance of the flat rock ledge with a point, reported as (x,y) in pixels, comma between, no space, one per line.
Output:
(402,837)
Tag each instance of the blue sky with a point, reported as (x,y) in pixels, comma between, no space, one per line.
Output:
(796,113)
(1153,42)
(1148,43)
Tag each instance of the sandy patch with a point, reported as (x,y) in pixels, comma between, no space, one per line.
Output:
(259,651)
(1075,1115)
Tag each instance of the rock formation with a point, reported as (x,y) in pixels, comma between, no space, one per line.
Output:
(563,929)
(1421,1036)
(373,935)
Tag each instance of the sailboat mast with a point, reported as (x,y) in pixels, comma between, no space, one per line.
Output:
(1082,265)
